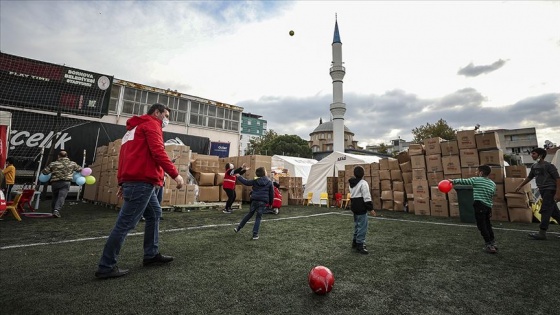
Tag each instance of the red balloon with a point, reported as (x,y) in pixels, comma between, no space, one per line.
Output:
(321,280)
(445,186)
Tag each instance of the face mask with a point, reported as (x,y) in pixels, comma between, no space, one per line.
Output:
(164,123)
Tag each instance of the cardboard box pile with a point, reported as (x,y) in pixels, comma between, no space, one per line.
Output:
(105,166)
(436,159)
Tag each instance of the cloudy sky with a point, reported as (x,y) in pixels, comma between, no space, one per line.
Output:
(496,64)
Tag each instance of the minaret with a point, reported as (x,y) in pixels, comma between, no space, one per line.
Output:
(338,108)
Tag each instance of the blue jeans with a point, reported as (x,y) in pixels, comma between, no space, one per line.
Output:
(140,199)
(258,207)
(360,227)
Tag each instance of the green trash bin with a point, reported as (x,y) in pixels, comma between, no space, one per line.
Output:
(466,200)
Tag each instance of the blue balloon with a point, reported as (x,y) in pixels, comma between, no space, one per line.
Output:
(75,176)
(44,178)
(80,180)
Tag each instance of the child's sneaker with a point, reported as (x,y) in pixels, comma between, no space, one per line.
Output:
(490,249)
(493,243)
(56,214)
(255,237)
(228,211)
(235,229)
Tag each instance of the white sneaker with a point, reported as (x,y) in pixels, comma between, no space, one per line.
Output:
(275,210)
(56,214)
(255,237)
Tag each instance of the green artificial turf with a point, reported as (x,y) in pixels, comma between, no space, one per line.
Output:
(417,265)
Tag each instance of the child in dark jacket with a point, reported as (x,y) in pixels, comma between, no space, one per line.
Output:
(361,203)
(262,194)
(230,177)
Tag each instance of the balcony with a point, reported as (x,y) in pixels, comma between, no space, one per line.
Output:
(337,68)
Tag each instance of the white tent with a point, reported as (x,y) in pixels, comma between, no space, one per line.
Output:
(556,159)
(296,166)
(329,167)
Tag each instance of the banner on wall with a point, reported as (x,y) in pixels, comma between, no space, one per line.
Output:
(220,149)
(3,145)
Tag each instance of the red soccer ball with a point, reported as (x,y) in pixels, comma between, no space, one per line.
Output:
(445,186)
(321,280)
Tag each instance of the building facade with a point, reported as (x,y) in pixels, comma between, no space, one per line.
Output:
(252,126)
(518,142)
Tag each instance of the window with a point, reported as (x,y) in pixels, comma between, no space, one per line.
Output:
(163,99)
(211,110)
(115,91)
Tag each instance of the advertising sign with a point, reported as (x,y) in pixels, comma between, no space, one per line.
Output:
(220,149)
(28,83)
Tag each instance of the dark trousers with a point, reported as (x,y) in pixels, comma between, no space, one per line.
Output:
(549,208)
(482,214)
(60,191)
(9,192)
(231,197)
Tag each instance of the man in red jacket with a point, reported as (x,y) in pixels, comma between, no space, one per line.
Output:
(142,164)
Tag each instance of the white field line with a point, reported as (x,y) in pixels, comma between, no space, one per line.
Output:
(264,220)
(161,231)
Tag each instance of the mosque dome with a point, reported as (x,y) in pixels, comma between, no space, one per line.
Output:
(328,127)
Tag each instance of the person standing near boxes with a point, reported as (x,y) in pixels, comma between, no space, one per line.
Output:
(548,182)
(142,163)
(230,178)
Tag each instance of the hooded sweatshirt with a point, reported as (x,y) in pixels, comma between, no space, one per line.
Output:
(360,196)
(142,157)
(262,188)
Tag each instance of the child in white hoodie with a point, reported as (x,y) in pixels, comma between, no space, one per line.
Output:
(361,203)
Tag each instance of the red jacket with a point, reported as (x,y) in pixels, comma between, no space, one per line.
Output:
(277,203)
(142,157)
(229,179)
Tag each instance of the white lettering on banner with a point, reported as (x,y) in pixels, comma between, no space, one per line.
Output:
(79,78)
(34,140)
(222,148)
(29,75)
(342,158)
(129,135)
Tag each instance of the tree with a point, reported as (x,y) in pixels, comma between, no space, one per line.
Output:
(382,148)
(439,129)
(260,145)
(271,143)
(290,145)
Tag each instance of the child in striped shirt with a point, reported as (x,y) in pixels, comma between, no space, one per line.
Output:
(483,192)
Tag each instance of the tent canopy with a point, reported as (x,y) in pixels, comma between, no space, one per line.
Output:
(329,167)
(296,166)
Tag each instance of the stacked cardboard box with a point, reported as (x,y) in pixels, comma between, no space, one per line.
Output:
(105,166)
(435,160)
(518,207)
(451,163)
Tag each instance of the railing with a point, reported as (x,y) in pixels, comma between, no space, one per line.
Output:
(338,68)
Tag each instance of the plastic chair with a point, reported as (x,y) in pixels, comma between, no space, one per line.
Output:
(338,200)
(26,197)
(12,208)
(346,201)
(325,197)
(309,199)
